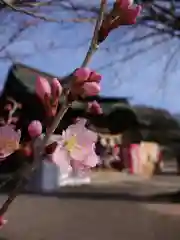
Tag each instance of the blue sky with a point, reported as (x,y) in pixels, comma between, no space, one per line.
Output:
(58,49)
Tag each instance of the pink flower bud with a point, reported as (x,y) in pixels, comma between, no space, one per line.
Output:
(128,16)
(132,14)
(42,87)
(95,77)
(56,87)
(82,74)
(91,88)
(95,108)
(35,129)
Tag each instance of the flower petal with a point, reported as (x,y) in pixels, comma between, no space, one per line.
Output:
(61,158)
(91,88)
(78,153)
(56,87)
(81,122)
(95,77)
(124,3)
(74,129)
(42,87)
(130,15)
(82,74)
(86,139)
(92,159)
(94,108)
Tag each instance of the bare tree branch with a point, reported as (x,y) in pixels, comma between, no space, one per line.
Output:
(30,13)
(156,14)
(40,16)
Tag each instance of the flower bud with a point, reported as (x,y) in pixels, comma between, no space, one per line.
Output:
(91,89)
(56,88)
(94,107)
(42,87)
(82,74)
(95,77)
(35,129)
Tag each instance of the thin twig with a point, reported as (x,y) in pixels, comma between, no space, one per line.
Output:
(35,4)
(15,107)
(56,121)
(11,197)
(6,181)
(93,46)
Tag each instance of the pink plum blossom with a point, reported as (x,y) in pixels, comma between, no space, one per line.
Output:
(35,129)
(77,144)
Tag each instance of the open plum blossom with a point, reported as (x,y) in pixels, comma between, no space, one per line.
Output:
(76,148)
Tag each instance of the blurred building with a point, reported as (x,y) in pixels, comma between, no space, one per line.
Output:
(120,123)
(117,117)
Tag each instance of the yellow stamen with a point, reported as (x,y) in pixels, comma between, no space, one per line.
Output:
(71,143)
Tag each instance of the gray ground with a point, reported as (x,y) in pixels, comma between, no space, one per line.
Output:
(132,210)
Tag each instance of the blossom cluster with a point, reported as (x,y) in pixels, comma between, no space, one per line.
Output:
(75,149)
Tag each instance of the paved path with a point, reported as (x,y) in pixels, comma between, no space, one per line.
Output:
(127,212)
